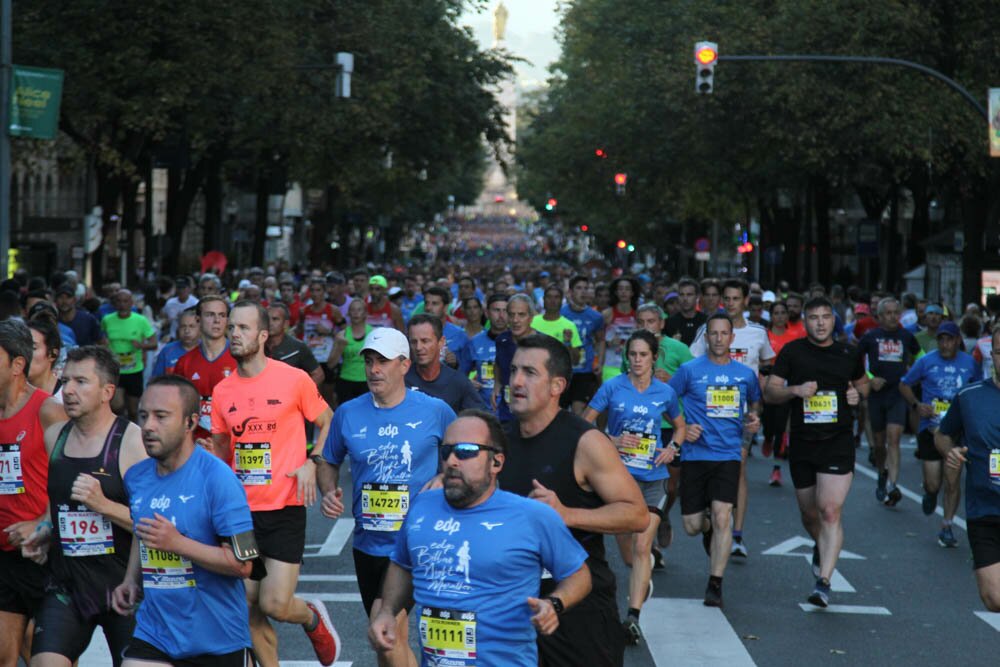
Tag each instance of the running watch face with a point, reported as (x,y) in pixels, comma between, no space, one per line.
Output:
(244,546)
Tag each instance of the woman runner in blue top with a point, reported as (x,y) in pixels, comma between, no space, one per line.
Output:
(634,403)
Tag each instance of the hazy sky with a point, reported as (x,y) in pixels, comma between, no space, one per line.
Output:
(530,34)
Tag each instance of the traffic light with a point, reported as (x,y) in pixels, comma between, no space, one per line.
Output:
(584,228)
(551,204)
(706,54)
(620,180)
(601,153)
(621,244)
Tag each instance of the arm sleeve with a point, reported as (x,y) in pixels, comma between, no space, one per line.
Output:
(915,374)
(229,508)
(575,341)
(334,448)
(160,365)
(753,389)
(401,551)
(310,400)
(782,365)
(678,380)
(698,346)
(600,400)
(673,406)
(445,417)
(147,329)
(218,421)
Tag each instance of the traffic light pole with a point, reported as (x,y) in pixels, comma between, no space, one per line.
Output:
(898,62)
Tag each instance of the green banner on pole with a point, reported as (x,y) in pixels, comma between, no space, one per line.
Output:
(34,102)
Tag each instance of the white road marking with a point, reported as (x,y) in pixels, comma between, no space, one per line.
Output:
(992,619)
(789,546)
(327,577)
(342,530)
(690,623)
(845,609)
(868,472)
(331,597)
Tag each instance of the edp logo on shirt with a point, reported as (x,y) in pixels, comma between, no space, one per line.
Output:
(640,409)
(450,526)
(390,430)
(160,503)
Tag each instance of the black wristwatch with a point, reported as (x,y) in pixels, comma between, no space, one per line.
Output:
(556,604)
(675,446)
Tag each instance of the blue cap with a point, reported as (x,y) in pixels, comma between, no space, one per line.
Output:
(934,308)
(948,328)
(543,274)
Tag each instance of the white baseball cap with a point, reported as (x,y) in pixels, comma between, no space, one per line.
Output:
(390,343)
(767,296)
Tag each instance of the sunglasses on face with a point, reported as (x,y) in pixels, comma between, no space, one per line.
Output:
(463,450)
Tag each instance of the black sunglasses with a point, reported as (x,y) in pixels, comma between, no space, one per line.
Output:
(464,450)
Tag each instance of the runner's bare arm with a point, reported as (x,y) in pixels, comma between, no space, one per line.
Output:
(397,594)
(323,424)
(570,591)
(339,345)
(51,412)
(598,467)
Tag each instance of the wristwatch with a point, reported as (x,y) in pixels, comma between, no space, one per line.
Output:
(556,604)
(675,446)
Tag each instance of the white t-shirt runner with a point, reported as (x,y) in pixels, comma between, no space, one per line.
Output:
(750,345)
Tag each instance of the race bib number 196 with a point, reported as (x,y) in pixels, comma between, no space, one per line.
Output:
(85,533)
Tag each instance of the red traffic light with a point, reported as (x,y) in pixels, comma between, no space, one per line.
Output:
(584,228)
(705,54)
(551,204)
(621,244)
(621,178)
(600,153)
(744,247)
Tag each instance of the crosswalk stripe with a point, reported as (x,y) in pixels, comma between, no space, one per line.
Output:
(342,530)
(992,619)
(698,635)
(846,609)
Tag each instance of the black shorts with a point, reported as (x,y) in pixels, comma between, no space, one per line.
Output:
(281,535)
(984,538)
(587,635)
(582,387)
(926,451)
(131,384)
(705,481)
(22,584)
(370,571)
(346,390)
(807,458)
(886,407)
(61,629)
(140,650)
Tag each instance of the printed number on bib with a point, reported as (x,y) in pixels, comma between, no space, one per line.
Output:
(486,371)
(253,463)
(445,633)
(384,506)
(995,466)
(641,455)
(890,350)
(162,569)
(11,479)
(820,408)
(205,418)
(940,407)
(85,533)
(722,402)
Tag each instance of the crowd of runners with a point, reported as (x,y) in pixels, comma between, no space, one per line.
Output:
(158,450)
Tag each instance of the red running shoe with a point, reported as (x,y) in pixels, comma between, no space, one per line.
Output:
(775,477)
(325,640)
(767,447)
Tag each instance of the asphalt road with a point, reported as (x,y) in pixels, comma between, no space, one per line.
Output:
(902,600)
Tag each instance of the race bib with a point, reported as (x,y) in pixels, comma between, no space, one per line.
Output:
(127,361)
(995,466)
(205,418)
(506,395)
(486,370)
(253,463)
(445,633)
(162,569)
(739,354)
(722,401)
(384,506)
(85,533)
(940,407)
(821,408)
(641,455)
(11,479)
(890,350)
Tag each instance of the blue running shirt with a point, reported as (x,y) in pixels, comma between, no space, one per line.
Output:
(394,453)
(188,610)
(940,379)
(588,321)
(638,413)
(473,570)
(973,417)
(481,352)
(715,397)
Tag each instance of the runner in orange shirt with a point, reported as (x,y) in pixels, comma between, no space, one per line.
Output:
(257,425)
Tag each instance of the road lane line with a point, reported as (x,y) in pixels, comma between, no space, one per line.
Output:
(992,619)
(865,470)
(327,577)
(844,609)
(698,635)
(331,597)
(335,541)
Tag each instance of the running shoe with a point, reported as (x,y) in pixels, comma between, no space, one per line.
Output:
(665,533)
(657,559)
(633,634)
(894,497)
(767,448)
(706,541)
(649,590)
(324,638)
(821,594)
(929,503)
(782,451)
(775,477)
(946,538)
(713,595)
(739,549)
(815,561)
(883,477)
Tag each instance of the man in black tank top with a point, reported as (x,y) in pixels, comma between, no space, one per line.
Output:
(90,536)
(561,460)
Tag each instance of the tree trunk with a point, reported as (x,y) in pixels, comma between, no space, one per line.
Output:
(260,223)
(213,206)
(182,187)
(821,209)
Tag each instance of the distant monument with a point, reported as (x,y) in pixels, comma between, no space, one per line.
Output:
(499,193)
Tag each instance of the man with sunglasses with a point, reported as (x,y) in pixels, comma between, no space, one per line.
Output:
(561,460)
(471,556)
(391,436)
